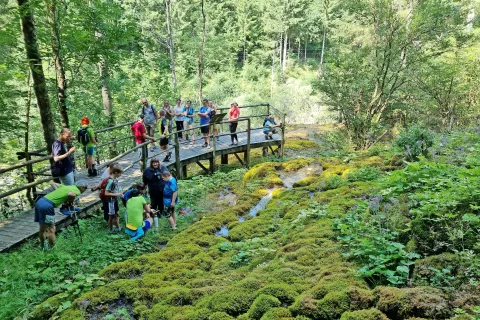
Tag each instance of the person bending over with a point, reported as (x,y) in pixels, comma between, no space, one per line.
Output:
(44,209)
(136,226)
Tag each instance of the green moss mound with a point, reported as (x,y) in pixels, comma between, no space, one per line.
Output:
(262,304)
(370,314)
(232,302)
(277,314)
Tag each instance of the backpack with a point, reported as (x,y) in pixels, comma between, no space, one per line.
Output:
(103,186)
(265,120)
(82,136)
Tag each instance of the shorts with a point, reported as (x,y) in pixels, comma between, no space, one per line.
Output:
(110,207)
(150,128)
(163,142)
(167,212)
(205,128)
(89,151)
(44,208)
(139,151)
(146,225)
(268,131)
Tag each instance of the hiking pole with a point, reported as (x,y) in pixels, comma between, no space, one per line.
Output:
(75,224)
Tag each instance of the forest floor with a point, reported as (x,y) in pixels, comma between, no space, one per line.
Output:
(327,233)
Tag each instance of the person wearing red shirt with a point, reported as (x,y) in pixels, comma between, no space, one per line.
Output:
(140,133)
(233,115)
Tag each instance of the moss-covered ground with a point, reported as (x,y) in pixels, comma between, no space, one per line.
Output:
(368,237)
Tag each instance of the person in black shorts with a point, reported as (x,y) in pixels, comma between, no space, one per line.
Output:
(152,177)
(165,131)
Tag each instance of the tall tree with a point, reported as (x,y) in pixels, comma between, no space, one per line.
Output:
(59,69)
(170,45)
(38,76)
(202,51)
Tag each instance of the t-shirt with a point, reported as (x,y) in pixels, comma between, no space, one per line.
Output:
(149,112)
(266,127)
(112,186)
(234,113)
(204,120)
(164,125)
(135,211)
(60,195)
(91,134)
(167,114)
(190,112)
(153,178)
(170,188)
(138,129)
(58,149)
(178,109)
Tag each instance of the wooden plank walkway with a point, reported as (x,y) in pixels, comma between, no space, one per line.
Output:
(22,227)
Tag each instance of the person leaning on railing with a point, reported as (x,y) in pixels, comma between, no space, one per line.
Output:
(140,133)
(45,209)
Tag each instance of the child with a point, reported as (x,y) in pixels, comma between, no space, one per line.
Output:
(170,198)
(110,204)
(164,129)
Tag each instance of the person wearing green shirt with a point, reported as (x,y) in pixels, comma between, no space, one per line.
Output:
(136,225)
(89,143)
(44,209)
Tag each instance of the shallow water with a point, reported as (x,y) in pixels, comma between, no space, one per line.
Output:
(223,232)
(289,178)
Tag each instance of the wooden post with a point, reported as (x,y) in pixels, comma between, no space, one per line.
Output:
(184,171)
(212,165)
(224,158)
(282,145)
(178,166)
(144,157)
(247,153)
(31,192)
(268,108)
(134,142)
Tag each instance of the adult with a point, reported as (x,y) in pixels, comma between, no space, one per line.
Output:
(152,177)
(189,113)
(179,116)
(204,113)
(86,136)
(62,167)
(170,198)
(168,113)
(136,226)
(140,133)
(44,208)
(213,111)
(165,131)
(233,115)
(150,118)
(269,127)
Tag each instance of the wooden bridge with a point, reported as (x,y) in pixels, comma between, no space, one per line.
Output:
(16,230)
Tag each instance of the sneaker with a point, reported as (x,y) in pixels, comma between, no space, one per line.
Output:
(166,159)
(112,231)
(119,229)
(94,172)
(204,145)
(65,211)
(266,137)
(90,172)
(232,144)
(209,147)
(271,138)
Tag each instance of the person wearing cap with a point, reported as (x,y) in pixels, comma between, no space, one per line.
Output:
(189,112)
(45,206)
(150,118)
(233,115)
(269,127)
(89,147)
(204,113)
(140,133)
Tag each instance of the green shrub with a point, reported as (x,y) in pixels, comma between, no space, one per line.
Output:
(415,142)
(276,314)
(233,301)
(367,173)
(370,314)
(282,292)
(261,305)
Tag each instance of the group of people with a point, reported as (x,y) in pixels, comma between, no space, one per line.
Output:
(162,187)
(184,117)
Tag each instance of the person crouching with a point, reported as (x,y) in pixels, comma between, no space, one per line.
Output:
(137,206)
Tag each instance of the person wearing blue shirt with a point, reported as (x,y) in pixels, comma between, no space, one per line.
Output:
(269,127)
(204,114)
(138,189)
(170,198)
(189,113)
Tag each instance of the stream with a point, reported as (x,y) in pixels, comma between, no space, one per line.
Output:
(288,179)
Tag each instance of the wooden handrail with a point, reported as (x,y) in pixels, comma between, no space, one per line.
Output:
(114,127)
(23,164)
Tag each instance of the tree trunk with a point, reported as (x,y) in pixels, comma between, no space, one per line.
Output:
(470,19)
(323,48)
(59,70)
(170,46)
(35,62)
(284,62)
(202,49)
(298,53)
(106,95)
(305,53)
(30,177)
(272,79)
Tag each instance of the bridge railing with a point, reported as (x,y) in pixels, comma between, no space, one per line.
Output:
(252,117)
